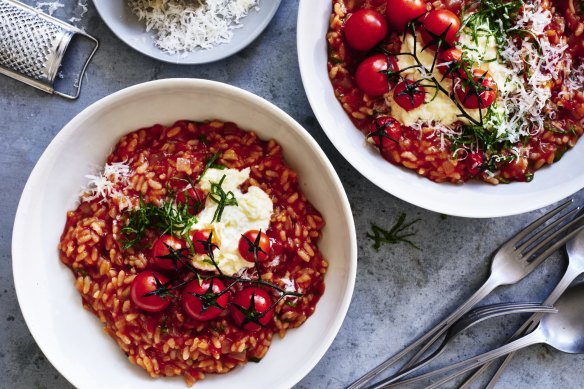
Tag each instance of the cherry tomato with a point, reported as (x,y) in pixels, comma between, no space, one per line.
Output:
(437,22)
(369,77)
(196,200)
(365,29)
(251,313)
(409,94)
(161,255)
(200,237)
(481,92)
(447,59)
(145,283)
(400,12)
(204,307)
(388,129)
(476,162)
(260,246)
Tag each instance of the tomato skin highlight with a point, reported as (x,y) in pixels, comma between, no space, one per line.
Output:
(144,283)
(264,245)
(193,305)
(368,76)
(400,12)
(404,100)
(160,250)
(468,98)
(201,235)
(196,200)
(392,131)
(365,29)
(262,302)
(436,22)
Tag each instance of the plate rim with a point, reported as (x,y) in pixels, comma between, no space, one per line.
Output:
(19,226)
(176,59)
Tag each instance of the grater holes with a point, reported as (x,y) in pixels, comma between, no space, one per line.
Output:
(29,42)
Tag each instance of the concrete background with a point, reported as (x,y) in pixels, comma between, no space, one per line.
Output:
(400,291)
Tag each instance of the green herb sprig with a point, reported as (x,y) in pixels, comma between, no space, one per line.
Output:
(395,235)
(210,164)
(222,198)
(497,15)
(166,219)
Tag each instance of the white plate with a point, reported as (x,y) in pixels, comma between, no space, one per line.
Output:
(473,199)
(71,337)
(120,19)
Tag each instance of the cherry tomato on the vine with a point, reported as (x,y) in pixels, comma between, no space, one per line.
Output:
(254,243)
(161,254)
(440,22)
(145,283)
(400,12)
(201,242)
(208,304)
(251,308)
(385,132)
(481,92)
(448,60)
(196,200)
(409,94)
(370,76)
(365,29)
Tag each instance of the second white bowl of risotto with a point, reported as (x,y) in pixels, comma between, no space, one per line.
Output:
(181,229)
(464,108)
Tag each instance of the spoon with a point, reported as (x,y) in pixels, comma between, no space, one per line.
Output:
(575,250)
(563,331)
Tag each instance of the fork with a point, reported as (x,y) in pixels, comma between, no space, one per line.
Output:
(472,318)
(575,268)
(512,262)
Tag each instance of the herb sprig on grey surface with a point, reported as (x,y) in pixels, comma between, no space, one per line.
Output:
(396,234)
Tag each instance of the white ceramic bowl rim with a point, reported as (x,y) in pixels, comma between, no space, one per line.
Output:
(472,199)
(22,229)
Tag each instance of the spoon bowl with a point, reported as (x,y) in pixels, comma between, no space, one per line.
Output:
(565,330)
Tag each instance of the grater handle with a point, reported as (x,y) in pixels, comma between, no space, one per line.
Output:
(82,73)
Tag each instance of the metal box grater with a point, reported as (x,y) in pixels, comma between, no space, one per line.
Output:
(33,44)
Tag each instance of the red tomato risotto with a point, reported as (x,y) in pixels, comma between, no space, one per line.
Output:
(195,246)
(458,90)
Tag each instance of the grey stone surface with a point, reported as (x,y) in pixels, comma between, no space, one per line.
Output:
(400,290)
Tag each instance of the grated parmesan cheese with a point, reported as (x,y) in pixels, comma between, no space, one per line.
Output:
(185,25)
(521,110)
(49,6)
(104,184)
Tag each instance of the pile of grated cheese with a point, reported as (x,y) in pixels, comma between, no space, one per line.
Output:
(103,184)
(181,26)
(522,108)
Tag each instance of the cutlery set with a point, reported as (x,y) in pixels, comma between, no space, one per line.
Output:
(512,262)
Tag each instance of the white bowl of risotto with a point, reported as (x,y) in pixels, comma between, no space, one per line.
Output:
(349,109)
(52,214)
